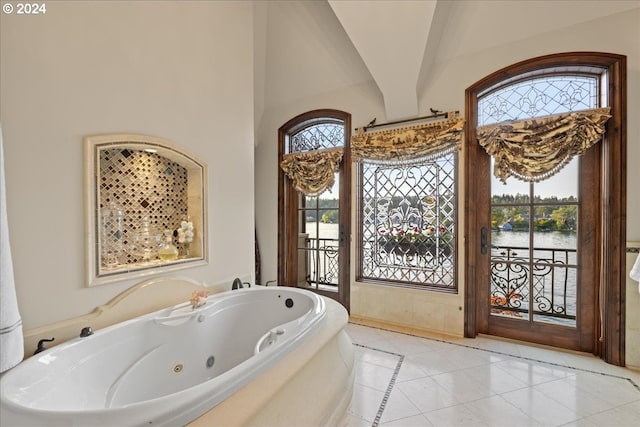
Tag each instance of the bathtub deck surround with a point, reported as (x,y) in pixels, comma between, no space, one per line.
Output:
(324,363)
(145,297)
(246,357)
(198,299)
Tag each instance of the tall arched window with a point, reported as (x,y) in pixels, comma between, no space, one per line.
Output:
(545,159)
(314,203)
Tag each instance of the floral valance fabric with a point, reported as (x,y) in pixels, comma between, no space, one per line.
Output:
(535,149)
(312,172)
(410,144)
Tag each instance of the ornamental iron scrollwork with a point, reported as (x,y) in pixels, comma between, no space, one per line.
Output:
(538,97)
(408,219)
(326,134)
(542,284)
(323,265)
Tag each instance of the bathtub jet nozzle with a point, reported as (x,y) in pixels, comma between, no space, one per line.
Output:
(210,361)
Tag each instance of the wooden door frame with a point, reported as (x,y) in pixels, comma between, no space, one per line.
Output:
(287,258)
(610,324)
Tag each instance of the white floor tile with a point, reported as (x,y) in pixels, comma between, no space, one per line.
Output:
(426,394)
(380,358)
(374,376)
(398,406)
(497,380)
(414,421)
(497,412)
(353,421)
(434,362)
(540,407)
(462,386)
(468,357)
(365,402)
(623,416)
(410,371)
(532,373)
(583,402)
(582,422)
(484,382)
(615,391)
(455,416)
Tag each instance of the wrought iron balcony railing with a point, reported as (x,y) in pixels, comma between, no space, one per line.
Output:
(543,283)
(322,265)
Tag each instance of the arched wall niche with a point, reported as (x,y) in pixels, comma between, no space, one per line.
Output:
(143,194)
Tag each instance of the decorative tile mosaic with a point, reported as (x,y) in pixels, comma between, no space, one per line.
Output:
(151,191)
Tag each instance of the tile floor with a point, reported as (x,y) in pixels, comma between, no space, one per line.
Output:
(405,381)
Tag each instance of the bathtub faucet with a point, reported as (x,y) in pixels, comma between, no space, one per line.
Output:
(86,331)
(41,346)
(239,284)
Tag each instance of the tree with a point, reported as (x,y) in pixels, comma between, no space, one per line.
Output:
(330,217)
(565,218)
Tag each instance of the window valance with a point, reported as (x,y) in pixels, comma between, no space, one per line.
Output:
(409,145)
(535,149)
(312,172)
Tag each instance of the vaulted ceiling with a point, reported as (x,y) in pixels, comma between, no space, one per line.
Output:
(394,62)
(310,49)
(399,40)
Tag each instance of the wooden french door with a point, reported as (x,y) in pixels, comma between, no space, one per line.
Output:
(567,293)
(314,231)
(539,276)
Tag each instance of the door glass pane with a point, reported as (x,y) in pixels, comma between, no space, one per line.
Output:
(310,202)
(514,191)
(534,266)
(555,243)
(322,215)
(563,185)
(510,225)
(509,291)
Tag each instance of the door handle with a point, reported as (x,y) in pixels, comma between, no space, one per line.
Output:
(483,241)
(341,236)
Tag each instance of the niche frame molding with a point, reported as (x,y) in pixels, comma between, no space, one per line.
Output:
(197,179)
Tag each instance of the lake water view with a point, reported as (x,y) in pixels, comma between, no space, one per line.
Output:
(551,239)
(322,230)
(519,239)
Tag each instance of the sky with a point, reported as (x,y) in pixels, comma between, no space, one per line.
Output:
(563,184)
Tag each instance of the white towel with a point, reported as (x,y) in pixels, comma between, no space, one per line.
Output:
(11,339)
(635,271)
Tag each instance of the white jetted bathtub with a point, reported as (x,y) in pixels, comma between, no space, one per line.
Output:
(259,356)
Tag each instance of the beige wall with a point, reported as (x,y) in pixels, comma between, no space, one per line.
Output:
(443,89)
(177,70)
